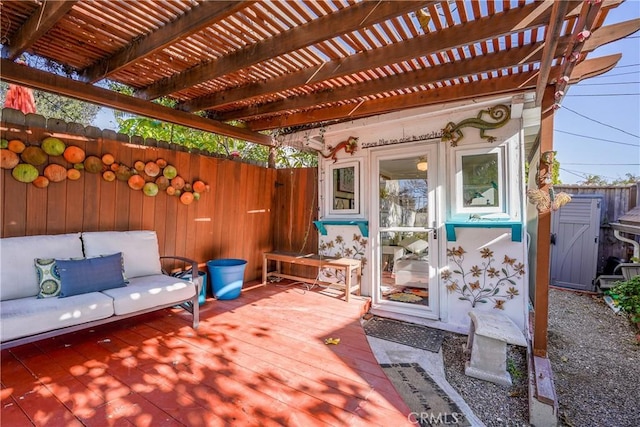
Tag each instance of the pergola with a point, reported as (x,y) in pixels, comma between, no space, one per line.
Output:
(246,67)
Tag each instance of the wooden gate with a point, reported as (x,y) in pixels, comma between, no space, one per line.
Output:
(574,255)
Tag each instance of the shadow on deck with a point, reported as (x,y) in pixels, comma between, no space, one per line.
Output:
(256,360)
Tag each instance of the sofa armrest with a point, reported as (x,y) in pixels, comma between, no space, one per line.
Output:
(194,264)
(193,270)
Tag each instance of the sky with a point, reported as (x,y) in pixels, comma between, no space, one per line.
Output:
(597,128)
(608,125)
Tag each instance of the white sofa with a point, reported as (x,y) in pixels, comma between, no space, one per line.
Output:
(29,313)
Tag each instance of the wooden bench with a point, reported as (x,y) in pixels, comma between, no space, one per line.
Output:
(489,335)
(347,265)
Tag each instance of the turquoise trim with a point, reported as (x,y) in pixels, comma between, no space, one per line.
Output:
(362,224)
(516,228)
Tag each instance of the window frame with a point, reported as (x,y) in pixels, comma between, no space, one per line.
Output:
(334,192)
(459,209)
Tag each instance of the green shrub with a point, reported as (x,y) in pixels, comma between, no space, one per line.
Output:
(626,295)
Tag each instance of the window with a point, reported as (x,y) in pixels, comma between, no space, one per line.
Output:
(344,188)
(479,181)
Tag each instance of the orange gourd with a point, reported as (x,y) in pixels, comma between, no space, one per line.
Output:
(41,182)
(108,159)
(139,165)
(73,174)
(199,187)
(186,198)
(55,173)
(74,154)
(152,169)
(16,146)
(109,176)
(136,182)
(9,159)
(178,183)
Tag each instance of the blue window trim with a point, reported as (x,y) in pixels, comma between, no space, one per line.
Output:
(362,224)
(516,228)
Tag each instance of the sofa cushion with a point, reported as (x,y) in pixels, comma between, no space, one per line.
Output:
(149,291)
(28,316)
(139,249)
(414,245)
(90,275)
(17,274)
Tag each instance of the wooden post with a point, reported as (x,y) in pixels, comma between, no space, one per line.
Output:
(541,308)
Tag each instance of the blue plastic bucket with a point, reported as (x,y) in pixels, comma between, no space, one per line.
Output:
(227,277)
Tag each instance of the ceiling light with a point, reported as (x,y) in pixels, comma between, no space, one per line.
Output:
(422,164)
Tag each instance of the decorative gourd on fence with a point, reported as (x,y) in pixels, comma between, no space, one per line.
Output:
(150,177)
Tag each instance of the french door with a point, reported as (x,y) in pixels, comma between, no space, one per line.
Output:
(403,209)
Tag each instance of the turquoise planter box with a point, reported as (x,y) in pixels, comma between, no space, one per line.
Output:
(203,291)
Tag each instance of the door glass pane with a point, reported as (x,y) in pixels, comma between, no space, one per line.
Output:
(403,193)
(403,203)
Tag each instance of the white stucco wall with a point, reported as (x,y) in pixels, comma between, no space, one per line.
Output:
(423,126)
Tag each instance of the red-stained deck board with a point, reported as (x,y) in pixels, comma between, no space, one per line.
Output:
(257,360)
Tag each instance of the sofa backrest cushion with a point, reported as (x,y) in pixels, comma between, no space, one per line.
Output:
(18,278)
(139,249)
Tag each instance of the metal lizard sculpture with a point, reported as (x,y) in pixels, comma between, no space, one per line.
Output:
(500,113)
(349,146)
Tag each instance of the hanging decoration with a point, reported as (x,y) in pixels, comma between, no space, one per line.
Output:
(349,146)
(20,98)
(499,114)
(546,200)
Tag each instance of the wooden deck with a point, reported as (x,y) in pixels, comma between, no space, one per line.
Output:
(259,360)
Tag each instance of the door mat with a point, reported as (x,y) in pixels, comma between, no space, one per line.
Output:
(405,333)
(428,403)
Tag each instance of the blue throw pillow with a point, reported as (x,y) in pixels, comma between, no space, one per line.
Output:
(90,275)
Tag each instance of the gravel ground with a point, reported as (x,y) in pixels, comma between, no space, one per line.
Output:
(493,404)
(596,364)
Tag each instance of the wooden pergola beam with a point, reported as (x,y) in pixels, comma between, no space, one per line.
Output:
(551,38)
(504,23)
(41,21)
(462,68)
(41,80)
(500,85)
(576,47)
(422,77)
(195,20)
(497,86)
(321,29)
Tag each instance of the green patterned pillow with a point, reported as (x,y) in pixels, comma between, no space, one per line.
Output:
(48,277)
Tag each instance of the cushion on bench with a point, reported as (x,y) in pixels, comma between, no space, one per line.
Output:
(139,250)
(149,291)
(17,261)
(28,316)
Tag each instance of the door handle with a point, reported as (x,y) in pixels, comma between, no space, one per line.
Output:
(553,238)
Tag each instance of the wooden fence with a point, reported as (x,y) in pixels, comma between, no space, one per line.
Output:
(248,210)
(617,200)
